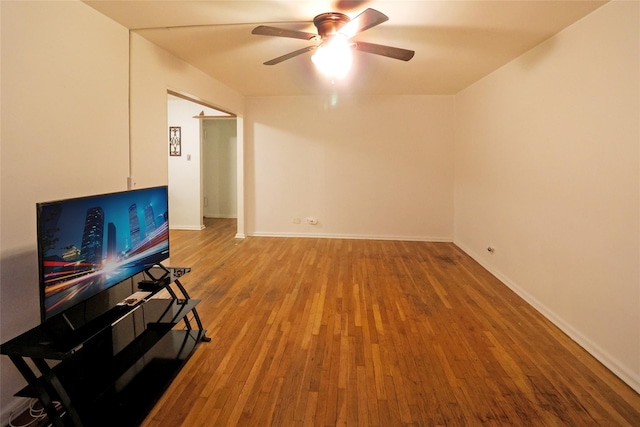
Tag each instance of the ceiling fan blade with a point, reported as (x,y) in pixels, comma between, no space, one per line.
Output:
(289,55)
(265,30)
(391,52)
(367,19)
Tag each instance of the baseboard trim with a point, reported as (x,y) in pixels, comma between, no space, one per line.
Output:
(187,227)
(604,357)
(354,237)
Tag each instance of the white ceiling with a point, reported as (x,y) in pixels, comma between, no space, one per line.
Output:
(456,42)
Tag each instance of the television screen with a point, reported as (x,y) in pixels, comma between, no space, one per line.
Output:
(86,245)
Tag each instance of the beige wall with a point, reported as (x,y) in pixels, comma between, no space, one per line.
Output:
(185,176)
(153,72)
(379,167)
(206,170)
(547,173)
(219,154)
(64,134)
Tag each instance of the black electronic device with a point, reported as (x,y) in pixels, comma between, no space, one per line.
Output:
(86,245)
(150,285)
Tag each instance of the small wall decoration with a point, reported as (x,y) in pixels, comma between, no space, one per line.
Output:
(174,141)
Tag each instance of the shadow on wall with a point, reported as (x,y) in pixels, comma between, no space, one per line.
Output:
(20,297)
(19,312)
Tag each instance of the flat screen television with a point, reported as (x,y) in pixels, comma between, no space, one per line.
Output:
(88,244)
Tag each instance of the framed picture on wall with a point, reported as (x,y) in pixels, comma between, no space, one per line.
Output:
(174,141)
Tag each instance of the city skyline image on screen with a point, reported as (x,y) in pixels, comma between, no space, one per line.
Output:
(88,244)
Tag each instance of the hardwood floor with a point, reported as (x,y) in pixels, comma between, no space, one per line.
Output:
(327,332)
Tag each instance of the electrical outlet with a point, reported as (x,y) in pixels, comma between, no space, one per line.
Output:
(131,183)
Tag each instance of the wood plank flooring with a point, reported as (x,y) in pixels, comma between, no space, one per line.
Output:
(329,332)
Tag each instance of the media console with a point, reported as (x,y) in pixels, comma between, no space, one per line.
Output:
(110,371)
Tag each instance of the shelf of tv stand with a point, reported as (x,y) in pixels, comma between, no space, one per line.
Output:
(98,383)
(121,393)
(76,359)
(45,341)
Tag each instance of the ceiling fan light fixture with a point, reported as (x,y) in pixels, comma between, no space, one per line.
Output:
(333,57)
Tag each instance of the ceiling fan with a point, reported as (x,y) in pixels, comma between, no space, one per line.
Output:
(334,28)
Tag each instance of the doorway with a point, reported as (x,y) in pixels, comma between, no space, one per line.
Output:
(219,155)
(204,173)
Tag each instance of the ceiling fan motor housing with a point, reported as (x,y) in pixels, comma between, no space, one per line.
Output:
(333,24)
(330,23)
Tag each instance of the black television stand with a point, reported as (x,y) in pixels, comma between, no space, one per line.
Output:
(110,371)
(168,276)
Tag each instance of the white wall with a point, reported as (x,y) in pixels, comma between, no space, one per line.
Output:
(184,172)
(379,167)
(547,172)
(206,168)
(64,134)
(219,152)
(153,72)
